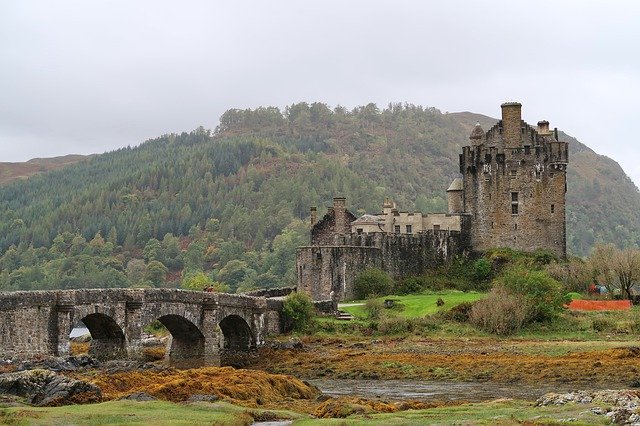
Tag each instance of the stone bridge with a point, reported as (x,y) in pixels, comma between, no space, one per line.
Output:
(202,325)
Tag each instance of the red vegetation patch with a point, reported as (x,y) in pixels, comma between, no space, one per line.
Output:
(599,305)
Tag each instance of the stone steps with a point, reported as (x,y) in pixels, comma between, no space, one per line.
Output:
(343,316)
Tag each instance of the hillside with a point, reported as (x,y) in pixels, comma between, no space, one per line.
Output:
(23,170)
(231,203)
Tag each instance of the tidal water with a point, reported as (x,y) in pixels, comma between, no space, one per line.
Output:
(434,390)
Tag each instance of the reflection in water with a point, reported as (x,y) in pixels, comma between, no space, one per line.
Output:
(79,331)
(435,390)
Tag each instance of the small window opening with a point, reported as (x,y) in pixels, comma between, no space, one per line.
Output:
(514,197)
(553,208)
(513,173)
(514,209)
(396,229)
(409,229)
(359,231)
(515,226)
(436,227)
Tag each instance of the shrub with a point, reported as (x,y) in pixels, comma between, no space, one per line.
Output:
(501,312)
(543,294)
(459,313)
(481,269)
(410,285)
(298,307)
(372,282)
(374,308)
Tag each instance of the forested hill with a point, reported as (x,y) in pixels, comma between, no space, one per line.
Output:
(227,206)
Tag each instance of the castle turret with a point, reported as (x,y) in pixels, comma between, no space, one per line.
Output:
(455,196)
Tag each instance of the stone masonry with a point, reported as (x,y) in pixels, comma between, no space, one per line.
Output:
(511,194)
(202,325)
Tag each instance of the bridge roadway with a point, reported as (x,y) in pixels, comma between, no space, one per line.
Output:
(202,325)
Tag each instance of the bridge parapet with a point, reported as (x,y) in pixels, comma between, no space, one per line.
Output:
(39,322)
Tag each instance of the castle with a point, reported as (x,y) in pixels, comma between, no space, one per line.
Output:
(511,194)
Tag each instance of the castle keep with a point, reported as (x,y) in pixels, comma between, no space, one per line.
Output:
(511,194)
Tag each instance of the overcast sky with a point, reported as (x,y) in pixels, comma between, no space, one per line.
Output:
(92,76)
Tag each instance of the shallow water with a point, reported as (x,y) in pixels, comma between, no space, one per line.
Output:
(435,390)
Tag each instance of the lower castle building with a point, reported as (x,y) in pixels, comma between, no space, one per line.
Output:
(511,194)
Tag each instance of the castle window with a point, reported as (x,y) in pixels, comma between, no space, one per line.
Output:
(396,229)
(514,196)
(359,231)
(513,173)
(408,229)
(514,203)
(527,149)
(515,226)
(538,174)
(553,208)
(514,209)
(491,225)
(436,227)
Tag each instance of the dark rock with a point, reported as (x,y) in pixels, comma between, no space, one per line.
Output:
(71,363)
(42,387)
(138,396)
(293,343)
(203,398)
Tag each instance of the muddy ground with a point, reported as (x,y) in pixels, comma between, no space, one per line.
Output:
(601,364)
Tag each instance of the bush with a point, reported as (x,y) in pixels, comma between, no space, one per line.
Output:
(481,269)
(399,325)
(374,308)
(501,312)
(411,285)
(543,294)
(459,313)
(372,282)
(298,307)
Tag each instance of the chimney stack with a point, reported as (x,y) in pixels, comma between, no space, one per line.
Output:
(340,214)
(512,124)
(543,127)
(314,215)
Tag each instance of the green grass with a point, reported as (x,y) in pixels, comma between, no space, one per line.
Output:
(489,413)
(419,305)
(136,413)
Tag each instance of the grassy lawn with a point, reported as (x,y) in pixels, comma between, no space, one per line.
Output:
(135,413)
(490,413)
(419,305)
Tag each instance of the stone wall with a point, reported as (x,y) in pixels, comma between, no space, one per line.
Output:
(39,322)
(328,272)
(514,187)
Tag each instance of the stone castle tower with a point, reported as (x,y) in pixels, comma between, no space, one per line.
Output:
(513,185)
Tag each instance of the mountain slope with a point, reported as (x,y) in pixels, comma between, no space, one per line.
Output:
(242,191)
(12,171)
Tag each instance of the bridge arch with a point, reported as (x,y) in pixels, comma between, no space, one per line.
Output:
(107,338)
(187,344)
(237,333)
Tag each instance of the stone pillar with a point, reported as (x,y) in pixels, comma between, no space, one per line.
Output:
(64,310)
(258,326)
(133,329)
(211,332)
